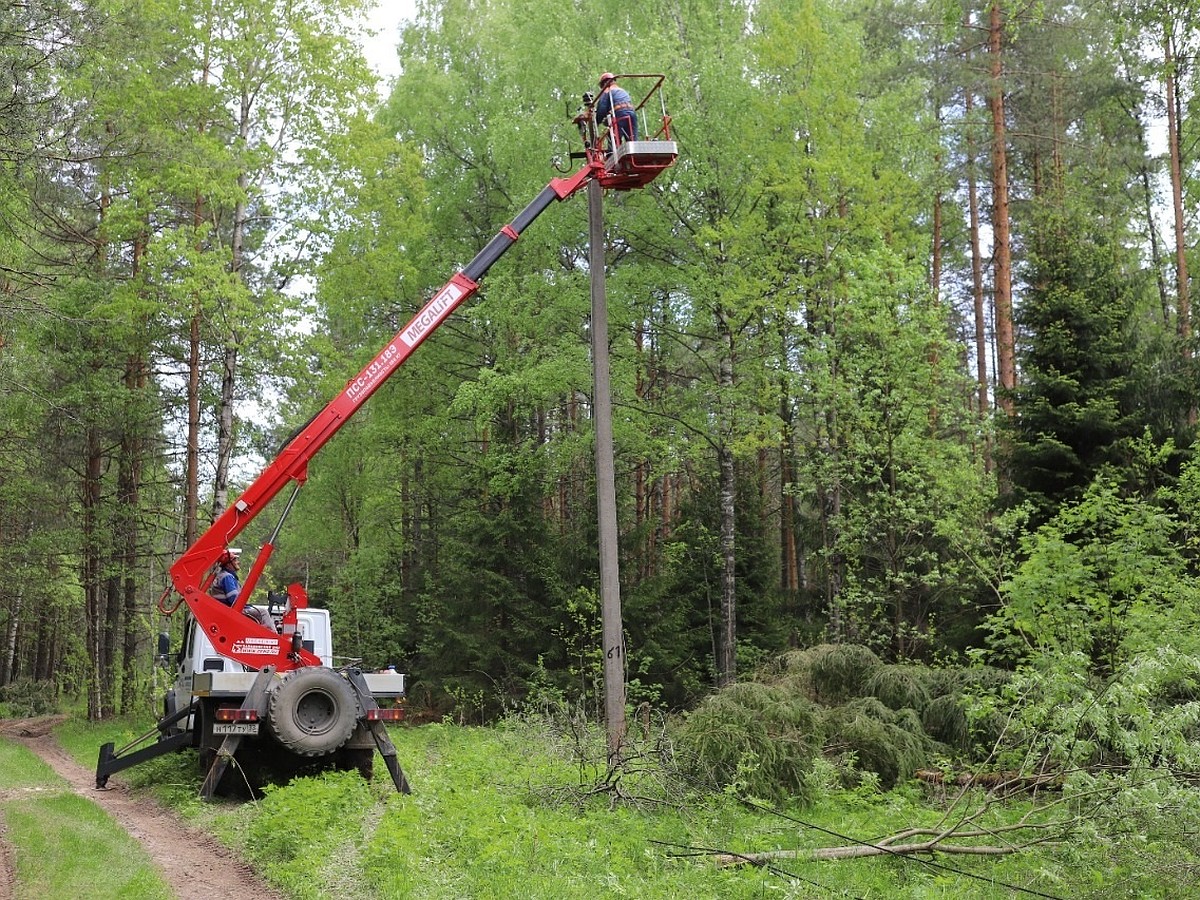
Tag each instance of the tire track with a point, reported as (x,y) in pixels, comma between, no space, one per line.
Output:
(8,870)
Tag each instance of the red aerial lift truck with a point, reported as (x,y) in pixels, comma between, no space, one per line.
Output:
(235,674)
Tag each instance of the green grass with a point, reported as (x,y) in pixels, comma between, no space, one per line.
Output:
(501,812)
(82,739)
(20,769)
(64,845)
(475,826)
(489,817)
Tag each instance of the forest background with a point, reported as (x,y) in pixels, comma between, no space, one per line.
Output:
(902,347)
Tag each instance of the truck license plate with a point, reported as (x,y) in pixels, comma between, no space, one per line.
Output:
(235,728)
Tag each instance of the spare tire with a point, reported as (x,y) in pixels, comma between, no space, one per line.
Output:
(313,711)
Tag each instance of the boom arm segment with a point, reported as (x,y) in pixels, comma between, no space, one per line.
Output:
(237,636)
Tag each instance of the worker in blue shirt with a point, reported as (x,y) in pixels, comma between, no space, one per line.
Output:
(226,587)
(616,103)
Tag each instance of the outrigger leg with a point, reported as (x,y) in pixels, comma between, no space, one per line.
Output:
(378,731)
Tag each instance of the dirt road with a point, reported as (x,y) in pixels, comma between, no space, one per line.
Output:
(195,864)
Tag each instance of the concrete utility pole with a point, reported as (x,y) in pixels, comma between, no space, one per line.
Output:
(606,487)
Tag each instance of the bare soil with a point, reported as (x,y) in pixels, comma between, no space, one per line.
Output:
(195,864)
(8,875)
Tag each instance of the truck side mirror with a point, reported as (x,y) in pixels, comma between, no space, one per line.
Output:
(164,647)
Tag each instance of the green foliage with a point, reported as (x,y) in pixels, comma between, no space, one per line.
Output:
(832,673)
(948,719)
(876,401)
(771,303)
(509,811)
(870,719)
(755,739)
(945,721)
(1144,833)
(1104,579)
(1058,716)
(294,831)
(1079,400)
(902,686)
(483,821)
(880,722)
(25,697)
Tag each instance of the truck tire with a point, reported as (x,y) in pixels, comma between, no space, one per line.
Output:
(169,710)
(313,711)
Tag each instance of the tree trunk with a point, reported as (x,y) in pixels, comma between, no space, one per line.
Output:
(44,662)
(830,500)
(935,267)
(828,491)
(129,493)
(229,368)
(977,297)
(129,498)
(789,558)
(8,671)
(1156,258)
(1182,295)
(642,499)
(191,511)
(225,428)
(726,643)
(1001,251)
(112,628)
(191,474)
(92,586)
(727,629)
(789,555)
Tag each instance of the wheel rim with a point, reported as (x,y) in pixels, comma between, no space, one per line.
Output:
(315,712)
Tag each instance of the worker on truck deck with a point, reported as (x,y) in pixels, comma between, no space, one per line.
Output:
(615,103)
(226,587)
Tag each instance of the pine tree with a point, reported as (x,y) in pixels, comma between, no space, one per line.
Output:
(1078,400)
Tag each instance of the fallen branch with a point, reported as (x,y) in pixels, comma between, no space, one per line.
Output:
(1000,781)
(814,854)
(956,833)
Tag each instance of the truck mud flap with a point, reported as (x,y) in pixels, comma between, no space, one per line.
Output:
(378,731)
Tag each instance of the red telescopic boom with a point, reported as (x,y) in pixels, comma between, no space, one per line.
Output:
(239,637)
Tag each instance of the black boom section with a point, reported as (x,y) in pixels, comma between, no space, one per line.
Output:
(497,246)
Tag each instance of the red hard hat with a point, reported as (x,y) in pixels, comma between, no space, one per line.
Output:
(228,557)
(606,78)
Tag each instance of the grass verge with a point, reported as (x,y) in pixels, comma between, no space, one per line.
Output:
(64,845)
